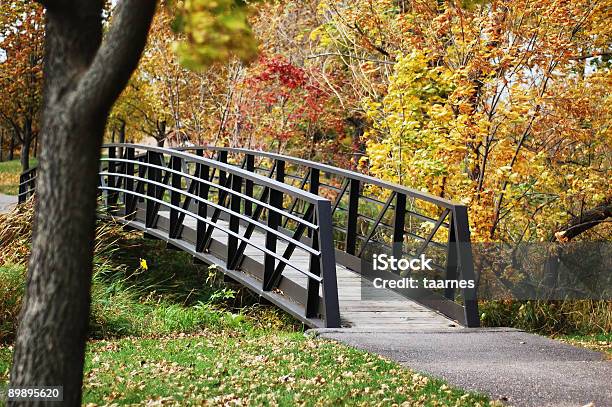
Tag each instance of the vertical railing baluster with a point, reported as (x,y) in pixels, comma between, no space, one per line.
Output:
(153,174)
(280,171)
(175,197)
(111,196)
(248,186)
(274,219)
(399,224)
(313,188)
(129,199)
(203,172)
(221,157)
(234,221)
(353,212)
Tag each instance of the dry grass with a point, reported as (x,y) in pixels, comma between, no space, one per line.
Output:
(16,234)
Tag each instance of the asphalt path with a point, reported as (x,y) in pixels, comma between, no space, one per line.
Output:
(513,366)
(7,202)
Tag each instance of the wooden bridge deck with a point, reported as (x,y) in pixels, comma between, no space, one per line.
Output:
(361,305)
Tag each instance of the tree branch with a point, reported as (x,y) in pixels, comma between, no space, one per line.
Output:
(585,221)
(116,58)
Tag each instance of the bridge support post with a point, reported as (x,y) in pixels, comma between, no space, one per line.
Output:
(234,221)
(203,172)
(353,212)
(111,196)
(153,174)
(328,265)
(274,218)
(313,187)
(129,199)
(248,186)
(399,220)
(175,197)
(466,264)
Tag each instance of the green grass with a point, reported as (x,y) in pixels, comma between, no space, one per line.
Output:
(252,367)
(175,332)
(599,342)
(9,175)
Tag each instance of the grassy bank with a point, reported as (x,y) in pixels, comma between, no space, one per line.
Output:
(164,330)
(553,318)
(9,175)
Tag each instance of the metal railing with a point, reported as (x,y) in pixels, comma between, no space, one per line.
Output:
(329,213)
(228,216)
(371,216)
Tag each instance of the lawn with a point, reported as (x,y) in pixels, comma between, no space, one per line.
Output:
(9,176)
(165,330)
(599,342)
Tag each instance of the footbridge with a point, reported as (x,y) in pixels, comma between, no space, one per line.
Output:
(298,233)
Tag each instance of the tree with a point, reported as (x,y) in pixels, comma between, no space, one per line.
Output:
(84,75)
(21,72)
(522,132)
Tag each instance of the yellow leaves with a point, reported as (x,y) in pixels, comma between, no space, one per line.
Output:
(143,265)
(215,30)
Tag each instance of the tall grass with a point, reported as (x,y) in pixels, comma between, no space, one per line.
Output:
(566,317)
(170,295)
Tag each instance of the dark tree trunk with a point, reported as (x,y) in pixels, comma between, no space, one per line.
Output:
(1,146)
(35,150)
(161,133)
(25,154)
(26,144)
(82,81)
(121,137)
(122,133)
(11,154)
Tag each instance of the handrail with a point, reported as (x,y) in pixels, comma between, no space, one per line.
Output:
(159,190)
(334,170)
(356,228)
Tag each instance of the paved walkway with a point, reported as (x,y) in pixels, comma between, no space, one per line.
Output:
(7,202)
(516,367)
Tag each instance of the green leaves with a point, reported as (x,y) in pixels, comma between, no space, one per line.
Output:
(215,31)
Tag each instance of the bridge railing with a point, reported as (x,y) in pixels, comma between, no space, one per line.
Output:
(371,216)
(230,216)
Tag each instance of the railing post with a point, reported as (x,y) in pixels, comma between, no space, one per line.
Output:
(153,174)
(111,196)
(203,172)
(221,157)
(23,184)
(353,211)
(234,221)
(399,223)
(451,258)
(274,218)
(248,186)
(328,264)
(129,199)
(175,197)
(280,171)
(313,187)
(466,264)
